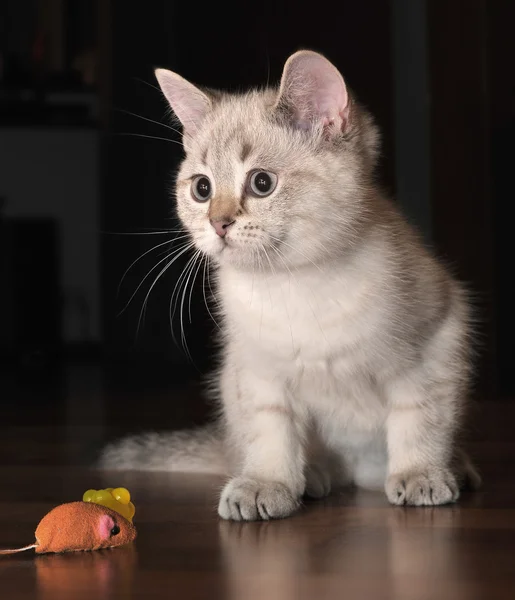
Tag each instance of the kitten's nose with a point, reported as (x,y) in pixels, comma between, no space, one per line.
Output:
(221,226)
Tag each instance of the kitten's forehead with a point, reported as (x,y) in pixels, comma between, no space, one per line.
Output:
(223,154)
(235,130)
(228,140)
(238,128)
(241,134)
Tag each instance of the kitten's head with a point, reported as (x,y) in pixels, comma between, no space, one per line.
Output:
(276,178)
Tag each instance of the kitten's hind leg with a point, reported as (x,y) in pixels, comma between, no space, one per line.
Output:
(317,470)
(420,432)
(326,470)
(425,418)
(318,480)
(467,475)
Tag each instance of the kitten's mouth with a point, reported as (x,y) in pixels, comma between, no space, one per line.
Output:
(223,244)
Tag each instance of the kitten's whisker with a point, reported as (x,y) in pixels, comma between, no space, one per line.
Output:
(145,303)
(206,267)
(144,306)
(254,252)
(181,311)
(260,259)
(160,232)
(147,83)
(276,239)
(140,257)
(151,137)
(213,295)
(173,304)
(272,270)
(178,284)
(178,252)
(285,264)
(127,112)
(199,260)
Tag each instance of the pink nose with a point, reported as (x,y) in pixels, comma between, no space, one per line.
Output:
(221,226)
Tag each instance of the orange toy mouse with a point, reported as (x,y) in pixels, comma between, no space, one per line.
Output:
(87,525)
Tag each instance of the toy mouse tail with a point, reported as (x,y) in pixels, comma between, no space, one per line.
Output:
(16,550)
(198,450)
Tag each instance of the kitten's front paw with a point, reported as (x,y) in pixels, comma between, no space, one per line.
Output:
(251,500)
(428,487)
(318,482)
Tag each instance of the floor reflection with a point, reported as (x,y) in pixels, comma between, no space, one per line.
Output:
(397,553)
(99,574)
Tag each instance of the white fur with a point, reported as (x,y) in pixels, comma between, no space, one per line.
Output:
(345,344)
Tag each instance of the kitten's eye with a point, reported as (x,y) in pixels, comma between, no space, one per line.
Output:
(262,183)
(201,188)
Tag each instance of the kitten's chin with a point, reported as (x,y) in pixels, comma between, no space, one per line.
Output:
(234,254)
(231,254)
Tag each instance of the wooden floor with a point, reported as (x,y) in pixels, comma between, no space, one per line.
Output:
(352,545)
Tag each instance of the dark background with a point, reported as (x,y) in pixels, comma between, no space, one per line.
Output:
(438,75)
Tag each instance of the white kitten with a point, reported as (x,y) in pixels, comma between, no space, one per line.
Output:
(345,346)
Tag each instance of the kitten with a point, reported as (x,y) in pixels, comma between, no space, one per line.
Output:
(345,354)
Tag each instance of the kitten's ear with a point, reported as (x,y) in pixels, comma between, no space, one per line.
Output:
(313,92)
(189,103)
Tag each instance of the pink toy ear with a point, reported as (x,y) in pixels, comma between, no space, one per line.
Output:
(314,92)
(189,103)
(105,525)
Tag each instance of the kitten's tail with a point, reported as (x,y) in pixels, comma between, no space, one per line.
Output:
(198,450)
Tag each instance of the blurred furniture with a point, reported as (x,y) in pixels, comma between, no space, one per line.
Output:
(30,315)
(52,174)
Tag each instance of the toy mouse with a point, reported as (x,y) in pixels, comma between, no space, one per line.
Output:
(102,520)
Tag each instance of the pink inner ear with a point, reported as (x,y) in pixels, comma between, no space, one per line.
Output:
(105,525)
(315,90)
(189,103)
